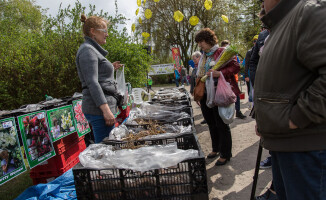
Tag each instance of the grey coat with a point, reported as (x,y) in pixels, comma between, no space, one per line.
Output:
(95,72)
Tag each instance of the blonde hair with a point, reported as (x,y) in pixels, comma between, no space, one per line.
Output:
(91,22)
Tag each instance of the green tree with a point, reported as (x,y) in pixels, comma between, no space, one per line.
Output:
(166,32)
(38,57)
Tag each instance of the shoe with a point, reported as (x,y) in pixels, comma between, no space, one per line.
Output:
(203,122)
(240,115)
(213,154)
(268,195)
(219,163)
(267,163)
(250,106)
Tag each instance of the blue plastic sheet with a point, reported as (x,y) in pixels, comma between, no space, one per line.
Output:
(61,188)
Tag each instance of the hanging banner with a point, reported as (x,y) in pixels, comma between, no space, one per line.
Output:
(162,69)
(80,119)
(37,142)
(61,122)
(12,163)
(177,59)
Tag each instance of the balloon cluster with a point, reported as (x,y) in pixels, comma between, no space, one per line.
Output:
(178,16)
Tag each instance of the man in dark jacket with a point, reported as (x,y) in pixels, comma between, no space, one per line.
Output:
(246,72)
(290,100)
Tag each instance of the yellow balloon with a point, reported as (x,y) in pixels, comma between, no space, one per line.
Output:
(138,3)
(178,16)
(193,20)
(139,20)
(225,18)
(133,27)
(145,34)
(148,13)
(156,1)
(137,11)
(208,4)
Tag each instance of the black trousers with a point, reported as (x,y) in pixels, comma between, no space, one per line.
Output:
(219,131)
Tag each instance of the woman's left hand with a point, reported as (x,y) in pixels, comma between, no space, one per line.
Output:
(216,74)
(117,65)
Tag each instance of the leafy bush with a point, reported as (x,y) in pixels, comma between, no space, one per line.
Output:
(37,53)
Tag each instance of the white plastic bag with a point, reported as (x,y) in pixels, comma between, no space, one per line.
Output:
(227,113)
(121,84)
(101,156)
(210,88)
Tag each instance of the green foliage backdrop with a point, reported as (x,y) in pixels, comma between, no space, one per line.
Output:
(37,53)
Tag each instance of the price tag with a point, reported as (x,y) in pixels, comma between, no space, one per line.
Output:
(40,116)
(7,124)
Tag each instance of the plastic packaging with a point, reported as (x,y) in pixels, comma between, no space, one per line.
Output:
(121,84)
(77,95)
(148,107)
(101,156)
(210,88)
(224,95)
(227,113)
(158,115)
(119,132)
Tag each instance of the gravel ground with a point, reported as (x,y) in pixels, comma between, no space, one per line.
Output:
(233,181)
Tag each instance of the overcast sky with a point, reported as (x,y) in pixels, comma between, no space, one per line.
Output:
(125,7)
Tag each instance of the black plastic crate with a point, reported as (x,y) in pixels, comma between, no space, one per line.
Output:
(187,180)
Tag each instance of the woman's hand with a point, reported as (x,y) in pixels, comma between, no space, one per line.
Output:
(109,118)
(107,114)
(256,129)
(117,65)
(292,125)
(216,74)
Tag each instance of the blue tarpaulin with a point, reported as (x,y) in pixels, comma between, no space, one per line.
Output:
(61,188)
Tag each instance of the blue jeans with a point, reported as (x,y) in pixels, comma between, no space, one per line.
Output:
(299,175)
(184,80)
(100,129)
(177,82)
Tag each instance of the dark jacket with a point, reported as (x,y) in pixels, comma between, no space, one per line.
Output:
(291,78)
(247,62)
(95,72)
(253,61)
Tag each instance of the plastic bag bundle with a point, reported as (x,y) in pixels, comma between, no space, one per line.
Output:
(158,115)
(210,88)
(101,156)
(163,116)
(224,95)
(227,113)
(171,95)
(119,132)
(173,131)
(121,84)
(146,107)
